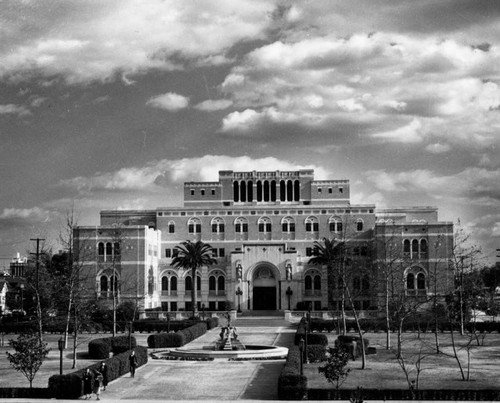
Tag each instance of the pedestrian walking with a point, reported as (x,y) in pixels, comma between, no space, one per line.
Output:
(87,383)
(98,384)
(133,363)
(103,369)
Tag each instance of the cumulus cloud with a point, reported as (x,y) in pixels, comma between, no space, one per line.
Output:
(478,186)
(170,101)
(410,133)
(84,42)
(214,105)
(11,109)
(165,173)
(438,148)
(31,214)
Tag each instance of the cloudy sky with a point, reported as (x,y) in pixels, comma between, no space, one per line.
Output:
(114,104)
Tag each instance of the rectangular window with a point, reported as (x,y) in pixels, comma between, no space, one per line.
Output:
(198,228)
(171,228)
(222,252)
(215,227)
(316,227)
(192,192)
(330,190)
(203,192)
(191,228)
(319,190)
(308,226)
(245,227)
(168,253)
(237,227)
(268,227)
(213,192)
(341,190)
(173,306)
(261,227)
(214,252)
(309,251)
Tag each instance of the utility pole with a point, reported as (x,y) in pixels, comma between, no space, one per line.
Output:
(37,283)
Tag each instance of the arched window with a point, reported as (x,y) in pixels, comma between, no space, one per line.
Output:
(317,282)
(104,283)
(335,224)
(266,191)
(273,191)
(359,225)
(198,283)
(312,224)
(249,191)
(236,191)
(421,281)
(308,282)
(282,191)
(194,225)
(100,249)
(424,250)
(296,191)
(243,191)
(212,282)
(164,283)
(188,283)
(264,224)
(410,281)
(109,249)
(406,247)
(289,190)
(173,283)
(221,283)
(171,227)
(117,248)
(288,224)
(241,225)
(217,225)
(414,249)
(259,191)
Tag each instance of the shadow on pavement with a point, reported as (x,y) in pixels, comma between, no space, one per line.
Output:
(264,384)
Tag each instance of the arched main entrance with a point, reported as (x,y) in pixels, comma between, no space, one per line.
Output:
(264,289)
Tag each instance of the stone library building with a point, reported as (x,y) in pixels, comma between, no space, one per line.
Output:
(262,227)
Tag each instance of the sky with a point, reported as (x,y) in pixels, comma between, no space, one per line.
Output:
(115,104)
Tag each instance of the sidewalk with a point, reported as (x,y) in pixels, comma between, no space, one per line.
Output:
(210,380)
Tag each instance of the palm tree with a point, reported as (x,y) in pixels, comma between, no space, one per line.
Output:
(333,255)
(193,255)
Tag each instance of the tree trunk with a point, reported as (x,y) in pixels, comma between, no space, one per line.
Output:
(455,353)
(75,339)
(387,318)
(360,332)
(193,292)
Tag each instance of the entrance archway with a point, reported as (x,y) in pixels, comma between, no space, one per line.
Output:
(264,289)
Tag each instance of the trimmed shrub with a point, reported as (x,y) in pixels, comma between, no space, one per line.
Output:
(291,384)
(212,323)
(99,348)
(163,340)
(317,338)
(316,353)
(70,386)
(177,339)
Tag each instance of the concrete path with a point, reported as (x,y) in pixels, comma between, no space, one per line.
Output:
(211,380)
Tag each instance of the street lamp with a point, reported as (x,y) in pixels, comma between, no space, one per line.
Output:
(21,286)
(60,345)
(239,293)
(301,349)
(289,293)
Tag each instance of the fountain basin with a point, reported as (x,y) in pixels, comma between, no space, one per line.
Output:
(251,352)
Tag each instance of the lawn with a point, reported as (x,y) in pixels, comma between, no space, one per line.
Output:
(439,371)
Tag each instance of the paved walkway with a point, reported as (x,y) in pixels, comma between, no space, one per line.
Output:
(211,380)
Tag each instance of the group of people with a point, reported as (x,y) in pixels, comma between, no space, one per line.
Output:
(96,383)
(99,381)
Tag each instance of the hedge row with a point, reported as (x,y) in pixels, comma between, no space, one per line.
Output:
(316,353)
(409,325)
(70,386)
(24,393)
(179,338)
(291,384)
(404,394)
(100,348)
(312,338)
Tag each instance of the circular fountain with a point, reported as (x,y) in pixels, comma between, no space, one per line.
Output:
(227,347)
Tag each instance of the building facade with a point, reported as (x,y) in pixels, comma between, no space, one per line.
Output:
(262,227)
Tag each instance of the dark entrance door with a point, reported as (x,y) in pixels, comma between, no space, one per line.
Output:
(264,298)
